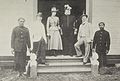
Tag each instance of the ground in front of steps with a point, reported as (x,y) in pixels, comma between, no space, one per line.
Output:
(10,75)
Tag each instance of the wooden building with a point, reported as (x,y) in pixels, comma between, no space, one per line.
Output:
(107,11)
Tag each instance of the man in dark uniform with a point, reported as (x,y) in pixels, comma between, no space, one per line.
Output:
(101,44)
(20,40)
(68,28)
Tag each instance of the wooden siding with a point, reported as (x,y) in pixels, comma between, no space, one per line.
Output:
(108,11)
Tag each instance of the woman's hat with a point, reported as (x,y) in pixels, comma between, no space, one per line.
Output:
(53,9)
(67,7)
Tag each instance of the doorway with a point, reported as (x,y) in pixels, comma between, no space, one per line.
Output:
(44,6)
(78,8)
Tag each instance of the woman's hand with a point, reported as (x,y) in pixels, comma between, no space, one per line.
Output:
(75,32)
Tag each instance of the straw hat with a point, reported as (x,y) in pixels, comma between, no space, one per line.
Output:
(53,9)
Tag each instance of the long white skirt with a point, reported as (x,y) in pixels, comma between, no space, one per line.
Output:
(55,41)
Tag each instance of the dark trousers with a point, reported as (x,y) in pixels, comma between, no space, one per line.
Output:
(39,48)
(20,61)
(102,59)
(68,44)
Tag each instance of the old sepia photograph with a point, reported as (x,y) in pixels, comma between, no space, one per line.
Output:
(59,40)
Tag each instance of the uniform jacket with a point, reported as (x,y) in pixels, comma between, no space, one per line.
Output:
(67,24)
(20,39)
(101,41)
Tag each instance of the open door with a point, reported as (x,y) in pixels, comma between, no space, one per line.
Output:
(78,7)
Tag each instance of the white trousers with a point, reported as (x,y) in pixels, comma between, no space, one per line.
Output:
(82,40)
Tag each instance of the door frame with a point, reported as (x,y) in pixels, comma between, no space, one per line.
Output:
(89,7)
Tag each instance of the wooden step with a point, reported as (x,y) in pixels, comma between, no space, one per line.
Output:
(63,59)
(64,67)
(64,64)
(64,70)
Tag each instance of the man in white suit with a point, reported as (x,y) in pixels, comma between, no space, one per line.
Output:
(84,37)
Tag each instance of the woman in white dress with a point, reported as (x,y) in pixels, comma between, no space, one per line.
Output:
(53,32)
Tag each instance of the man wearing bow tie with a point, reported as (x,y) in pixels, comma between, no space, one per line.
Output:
(84,37)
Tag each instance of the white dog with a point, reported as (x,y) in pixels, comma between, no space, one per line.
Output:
(31,67)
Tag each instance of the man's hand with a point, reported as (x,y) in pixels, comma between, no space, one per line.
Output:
(93,50)
(61,33)
(48,34)
(89,41)
(12,51)
(75,33)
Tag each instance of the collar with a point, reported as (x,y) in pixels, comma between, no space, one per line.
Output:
(102,30)
(21,26)
(84,23)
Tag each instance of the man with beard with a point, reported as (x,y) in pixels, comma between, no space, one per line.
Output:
(101,44)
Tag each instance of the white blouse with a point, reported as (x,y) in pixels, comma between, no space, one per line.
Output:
(38,31)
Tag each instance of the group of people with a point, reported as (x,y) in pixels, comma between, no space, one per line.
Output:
(60,36)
